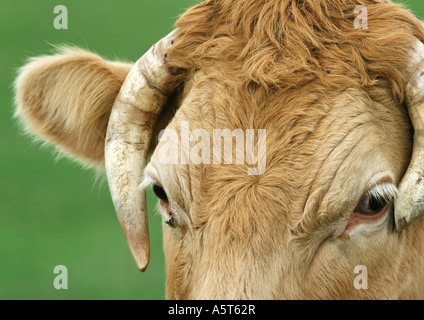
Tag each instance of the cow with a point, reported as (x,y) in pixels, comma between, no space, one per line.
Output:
(340,186)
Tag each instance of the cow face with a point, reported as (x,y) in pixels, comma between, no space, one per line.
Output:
(323,206)
(292,165)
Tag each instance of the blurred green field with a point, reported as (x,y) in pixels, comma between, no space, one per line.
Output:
(52,212)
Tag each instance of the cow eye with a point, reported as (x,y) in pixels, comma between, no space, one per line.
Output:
(376,201)
(159,192)
(370,205)
(372,209)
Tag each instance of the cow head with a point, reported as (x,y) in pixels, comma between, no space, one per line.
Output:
(326,110)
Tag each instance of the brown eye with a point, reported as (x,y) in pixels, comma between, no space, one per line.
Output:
(372,205)
(372,209)
(376,201)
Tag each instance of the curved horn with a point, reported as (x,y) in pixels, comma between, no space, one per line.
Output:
(409,203)
(141,100)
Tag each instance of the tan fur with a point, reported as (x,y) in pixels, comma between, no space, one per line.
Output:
(331,99)
(67,99)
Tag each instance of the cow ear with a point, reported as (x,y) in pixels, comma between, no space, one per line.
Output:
(66,99)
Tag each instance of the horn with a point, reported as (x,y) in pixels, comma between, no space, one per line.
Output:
(141,99)
(409,203)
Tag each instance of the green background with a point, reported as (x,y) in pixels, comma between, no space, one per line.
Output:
(53,212)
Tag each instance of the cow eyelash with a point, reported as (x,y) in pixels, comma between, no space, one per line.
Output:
(383,192)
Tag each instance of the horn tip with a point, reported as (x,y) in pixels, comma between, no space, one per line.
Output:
(141,259)
(141,254)
(142,266)
(139,245)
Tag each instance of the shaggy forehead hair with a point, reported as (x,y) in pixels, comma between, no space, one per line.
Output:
(285,44)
